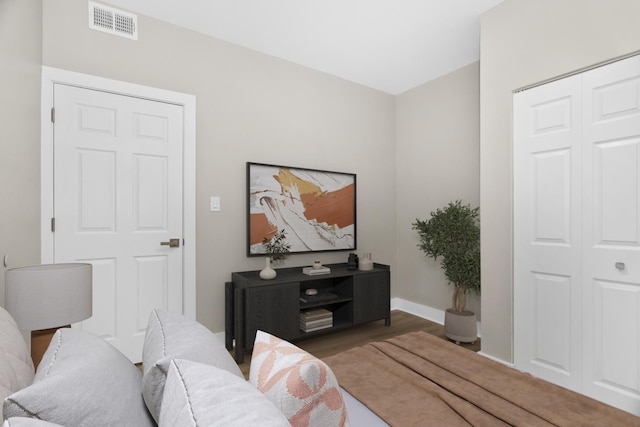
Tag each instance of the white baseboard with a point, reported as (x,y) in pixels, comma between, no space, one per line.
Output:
(495,359)
(433,314)
(424,311)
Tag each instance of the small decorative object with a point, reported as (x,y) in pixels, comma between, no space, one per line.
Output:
(317,264)
(277,248)
(312,271)
(267,273)
(453,234)
(352,262)
(365,264)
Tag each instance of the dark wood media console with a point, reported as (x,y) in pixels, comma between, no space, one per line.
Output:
(251,304)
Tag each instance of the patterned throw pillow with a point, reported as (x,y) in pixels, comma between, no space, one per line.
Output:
(302,386)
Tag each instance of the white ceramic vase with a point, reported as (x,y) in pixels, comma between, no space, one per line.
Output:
(365,263)
(267,273)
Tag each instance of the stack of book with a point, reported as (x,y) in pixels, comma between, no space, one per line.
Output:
(315,320)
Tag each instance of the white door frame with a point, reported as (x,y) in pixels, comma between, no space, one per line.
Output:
(51,76)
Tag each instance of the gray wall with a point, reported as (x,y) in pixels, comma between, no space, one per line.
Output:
(250,107)
(438,161)
(20,61)
(524,42)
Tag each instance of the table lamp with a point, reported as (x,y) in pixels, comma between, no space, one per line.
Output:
(43,298)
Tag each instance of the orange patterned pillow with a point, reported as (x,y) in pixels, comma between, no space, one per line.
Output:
(302,386)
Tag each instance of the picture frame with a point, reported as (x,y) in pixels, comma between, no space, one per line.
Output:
(315,208)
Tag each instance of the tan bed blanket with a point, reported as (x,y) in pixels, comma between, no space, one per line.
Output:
(418,379)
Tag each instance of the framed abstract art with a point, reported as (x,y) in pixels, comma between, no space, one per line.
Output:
(315,208)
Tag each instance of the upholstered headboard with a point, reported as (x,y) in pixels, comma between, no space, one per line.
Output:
(16,366)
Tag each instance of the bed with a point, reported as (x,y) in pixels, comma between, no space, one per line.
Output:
(189,378)
(418,379)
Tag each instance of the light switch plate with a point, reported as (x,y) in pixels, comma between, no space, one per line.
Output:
(214,204)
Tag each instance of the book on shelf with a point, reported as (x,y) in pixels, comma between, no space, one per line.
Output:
(310,271)
(315,323)
(319,313)
(317,328)
(306,328)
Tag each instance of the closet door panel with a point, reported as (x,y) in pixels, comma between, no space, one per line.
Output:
(611,164)
(552,323)
(547,239)
(616,337)
(615,197)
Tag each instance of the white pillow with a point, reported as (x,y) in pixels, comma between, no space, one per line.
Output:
(174,336)
(82,381)
(303,387)
(16,366)
(202,395)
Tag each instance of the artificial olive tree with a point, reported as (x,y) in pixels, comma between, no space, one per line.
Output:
(453,235)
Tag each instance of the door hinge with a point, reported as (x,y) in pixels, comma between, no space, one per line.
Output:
(53,115)
(53,225)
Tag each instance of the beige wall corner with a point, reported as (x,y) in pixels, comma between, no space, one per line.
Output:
(438,161)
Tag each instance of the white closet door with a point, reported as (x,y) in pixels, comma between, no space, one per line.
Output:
(611,215)
(577,233)
(547,232)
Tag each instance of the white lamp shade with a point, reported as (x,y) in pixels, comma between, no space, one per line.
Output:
(49,296)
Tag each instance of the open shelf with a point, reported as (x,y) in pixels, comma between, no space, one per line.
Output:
(323,302)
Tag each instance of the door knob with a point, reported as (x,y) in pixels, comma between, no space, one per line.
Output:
(620,265)
(172,243)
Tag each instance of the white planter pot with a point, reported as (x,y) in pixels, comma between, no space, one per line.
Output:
(460,326)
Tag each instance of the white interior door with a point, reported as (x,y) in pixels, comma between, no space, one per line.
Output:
(117,196)
(611,130)
(547,232)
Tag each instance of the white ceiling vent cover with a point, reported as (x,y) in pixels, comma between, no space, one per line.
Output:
(113,21)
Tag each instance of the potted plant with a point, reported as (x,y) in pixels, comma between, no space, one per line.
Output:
(453,235)
(277,248)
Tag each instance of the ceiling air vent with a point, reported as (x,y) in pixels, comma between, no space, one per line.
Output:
(113,21)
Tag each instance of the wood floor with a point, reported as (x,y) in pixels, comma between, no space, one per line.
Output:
(330,344)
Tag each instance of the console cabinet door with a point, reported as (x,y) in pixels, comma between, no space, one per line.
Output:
(371,297)
(274,309)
